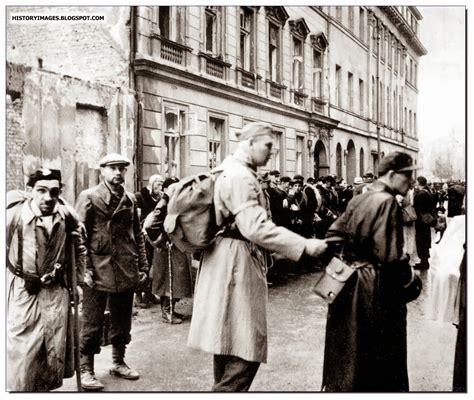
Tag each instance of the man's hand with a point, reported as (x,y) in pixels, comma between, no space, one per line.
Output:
(88,280)
(142,277)
(315,247)
(79,294)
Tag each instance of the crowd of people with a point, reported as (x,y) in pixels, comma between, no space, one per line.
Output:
(274,226)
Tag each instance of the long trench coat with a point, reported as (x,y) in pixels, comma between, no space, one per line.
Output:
(366,344)
(39,330)
(229,315)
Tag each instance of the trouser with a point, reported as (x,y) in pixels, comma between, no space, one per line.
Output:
(233,374)
(93,307)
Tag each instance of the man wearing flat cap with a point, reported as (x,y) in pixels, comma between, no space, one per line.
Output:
(118,264)
(366,325)
(40,229)
(229,313)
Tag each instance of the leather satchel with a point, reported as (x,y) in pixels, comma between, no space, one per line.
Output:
(333,280)
(428,219)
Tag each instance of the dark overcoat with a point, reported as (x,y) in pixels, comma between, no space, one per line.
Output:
(180,262)
(114,239)
(424,204)
(366,345)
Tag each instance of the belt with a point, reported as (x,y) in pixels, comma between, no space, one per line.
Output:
(48,279)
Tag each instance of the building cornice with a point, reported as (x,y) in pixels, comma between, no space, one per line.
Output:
(150,68)
(397,19)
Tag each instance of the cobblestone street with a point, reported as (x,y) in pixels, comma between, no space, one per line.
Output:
(296,324)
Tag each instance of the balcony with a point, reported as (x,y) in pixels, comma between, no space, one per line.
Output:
(170,51)
(248,79)
(318,104)
(275,89)
(298,98)
(214,66)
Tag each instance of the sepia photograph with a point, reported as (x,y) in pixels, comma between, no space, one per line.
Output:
(235,198)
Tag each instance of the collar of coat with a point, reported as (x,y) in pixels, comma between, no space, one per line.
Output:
(31,211)
(106,194)
(244,159)
(378,186)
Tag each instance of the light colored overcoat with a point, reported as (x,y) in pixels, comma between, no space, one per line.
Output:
(229,315)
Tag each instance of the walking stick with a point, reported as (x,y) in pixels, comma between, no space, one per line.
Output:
(170,270)
(75,297)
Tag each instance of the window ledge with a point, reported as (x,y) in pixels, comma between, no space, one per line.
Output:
(155,35)
(276,84)
(216,59)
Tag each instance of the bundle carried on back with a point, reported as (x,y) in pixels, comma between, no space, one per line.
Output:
(190,223)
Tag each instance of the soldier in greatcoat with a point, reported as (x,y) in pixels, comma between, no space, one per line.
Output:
(229,316)
(40,230)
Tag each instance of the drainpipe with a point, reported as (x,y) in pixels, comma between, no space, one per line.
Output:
(133,86)
(378,95)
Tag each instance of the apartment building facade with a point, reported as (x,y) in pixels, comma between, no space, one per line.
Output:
(314,73)
(170,85)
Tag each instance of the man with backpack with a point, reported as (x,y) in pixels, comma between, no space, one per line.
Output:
(118,264)
(229,312)
(41,228)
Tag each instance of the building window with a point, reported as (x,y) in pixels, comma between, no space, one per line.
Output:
(415,130)
(277,17)
(381,103)
(389,109)
(411,72)
(339,13)
(361,97)
(395,111)
(410,123)
(400,113)
(390,50)
(397,57)
(247,39)
(274,52)
(338,86)
(382,43)
(361,24)
(164,19)
(298,81)
(216,141)
(339,160)
(171,23)
(299,155)
(415,76)
(374,100)
(361,163)
(317,73)
(276,161)
(350,90)
(213,30)
(175,124)
(351,18)
(405,125)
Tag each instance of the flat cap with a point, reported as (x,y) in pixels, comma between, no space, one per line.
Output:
(398,162)
(114,159)
(274,172)
(44,174)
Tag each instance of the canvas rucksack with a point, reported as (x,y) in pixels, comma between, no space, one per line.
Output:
(190,222)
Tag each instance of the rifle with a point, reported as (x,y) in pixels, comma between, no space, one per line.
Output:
(75,296)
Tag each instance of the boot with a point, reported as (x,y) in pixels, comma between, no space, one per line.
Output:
(88,379)
(119,368)
(166,312)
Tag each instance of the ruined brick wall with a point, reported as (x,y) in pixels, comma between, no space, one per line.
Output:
(96,51)
(65,123)
(14,144)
